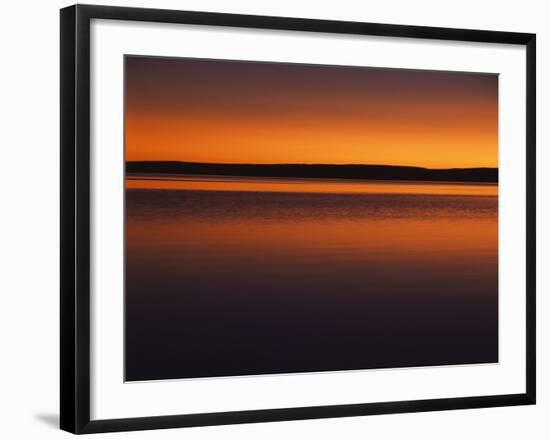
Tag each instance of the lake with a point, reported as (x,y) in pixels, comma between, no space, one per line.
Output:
(234,276)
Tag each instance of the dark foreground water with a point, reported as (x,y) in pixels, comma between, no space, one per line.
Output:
(242,281)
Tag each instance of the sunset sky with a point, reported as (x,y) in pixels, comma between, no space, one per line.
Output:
(249,112)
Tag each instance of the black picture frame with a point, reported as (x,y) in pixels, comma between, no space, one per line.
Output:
(75,217)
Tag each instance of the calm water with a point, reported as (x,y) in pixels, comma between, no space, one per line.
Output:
(239,276)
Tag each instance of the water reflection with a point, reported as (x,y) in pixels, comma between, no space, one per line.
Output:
(305,185)
(225,282)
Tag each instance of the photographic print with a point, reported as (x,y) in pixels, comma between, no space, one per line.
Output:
(290,218)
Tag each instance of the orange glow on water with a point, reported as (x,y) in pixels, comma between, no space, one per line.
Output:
(209,272)
(251,184)
(419,244)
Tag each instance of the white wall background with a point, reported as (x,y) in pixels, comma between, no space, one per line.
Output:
(29,248)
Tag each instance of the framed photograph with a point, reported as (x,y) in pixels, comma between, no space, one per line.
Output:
(268,219)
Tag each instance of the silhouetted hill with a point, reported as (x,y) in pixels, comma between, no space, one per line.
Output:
(367,172)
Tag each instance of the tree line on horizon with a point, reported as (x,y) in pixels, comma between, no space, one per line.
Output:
(340,171)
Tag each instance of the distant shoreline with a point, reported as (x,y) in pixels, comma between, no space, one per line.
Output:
(346,172)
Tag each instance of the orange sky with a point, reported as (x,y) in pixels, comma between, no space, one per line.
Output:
(247,112)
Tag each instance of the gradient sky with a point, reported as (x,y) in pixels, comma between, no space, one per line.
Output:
(251,112)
